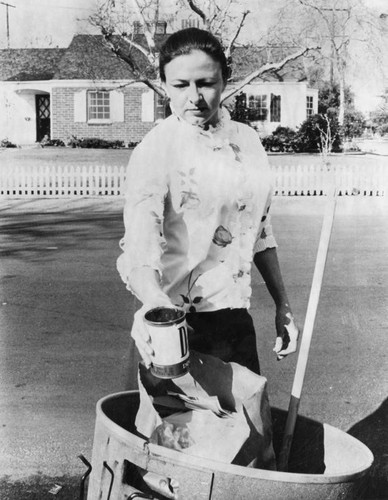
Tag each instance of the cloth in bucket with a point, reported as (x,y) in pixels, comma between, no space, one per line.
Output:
(194,413)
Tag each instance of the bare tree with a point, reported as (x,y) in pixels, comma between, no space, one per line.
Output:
(346,30)
(117,21)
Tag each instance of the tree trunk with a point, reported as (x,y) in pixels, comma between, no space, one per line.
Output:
(341,111)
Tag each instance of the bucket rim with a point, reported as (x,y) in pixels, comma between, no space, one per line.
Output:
(175,457)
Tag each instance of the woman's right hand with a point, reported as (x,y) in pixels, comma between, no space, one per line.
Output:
(145,284)
(139,331)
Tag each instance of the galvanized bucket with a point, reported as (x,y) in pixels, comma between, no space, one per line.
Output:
(325,462)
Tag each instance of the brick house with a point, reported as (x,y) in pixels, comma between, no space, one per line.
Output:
(82,91)
(86,91)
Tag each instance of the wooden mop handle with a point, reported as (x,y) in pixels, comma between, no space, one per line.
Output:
(312,306)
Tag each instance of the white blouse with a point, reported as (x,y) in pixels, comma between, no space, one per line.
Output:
(196,211)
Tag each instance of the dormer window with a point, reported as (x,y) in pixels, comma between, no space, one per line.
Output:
(190,23)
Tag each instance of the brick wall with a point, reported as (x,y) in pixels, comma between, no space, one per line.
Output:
(64,126)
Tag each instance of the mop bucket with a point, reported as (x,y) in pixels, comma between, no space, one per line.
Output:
(324,463)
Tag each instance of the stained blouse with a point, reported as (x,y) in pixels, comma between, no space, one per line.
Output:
(197,210)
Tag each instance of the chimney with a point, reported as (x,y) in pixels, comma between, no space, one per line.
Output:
(137,28)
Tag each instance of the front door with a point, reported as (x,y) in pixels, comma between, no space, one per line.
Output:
(42,102)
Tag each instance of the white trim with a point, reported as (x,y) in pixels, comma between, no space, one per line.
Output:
(100,121)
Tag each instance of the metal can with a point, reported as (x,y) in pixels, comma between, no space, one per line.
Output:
(168,331)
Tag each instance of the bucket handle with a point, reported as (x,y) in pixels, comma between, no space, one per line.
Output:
(83,478)
(112,474)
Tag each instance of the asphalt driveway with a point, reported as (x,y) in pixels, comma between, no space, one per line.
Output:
(65,319)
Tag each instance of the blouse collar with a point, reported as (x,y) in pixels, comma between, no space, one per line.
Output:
(223,121)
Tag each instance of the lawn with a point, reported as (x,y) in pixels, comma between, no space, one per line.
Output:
(63,156)
(119,157)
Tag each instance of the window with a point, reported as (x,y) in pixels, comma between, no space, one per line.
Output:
(257,106)
(275,108)
(98,105)
(309,105)
(162,109)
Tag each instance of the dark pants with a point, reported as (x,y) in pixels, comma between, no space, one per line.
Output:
(228,334)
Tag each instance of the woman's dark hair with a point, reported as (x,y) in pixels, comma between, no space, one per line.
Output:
(183,42)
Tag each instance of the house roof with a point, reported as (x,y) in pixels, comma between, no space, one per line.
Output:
(248,58)
(89,57)
(29,64)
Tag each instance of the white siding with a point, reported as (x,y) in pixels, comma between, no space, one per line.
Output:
(18,118)
(293,103)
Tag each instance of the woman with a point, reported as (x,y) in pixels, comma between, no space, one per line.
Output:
(197,200)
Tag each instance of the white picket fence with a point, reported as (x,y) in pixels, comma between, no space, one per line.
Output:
(62,181)
(103,180)
(366,180)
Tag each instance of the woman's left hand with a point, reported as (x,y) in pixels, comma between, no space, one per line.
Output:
(287,333)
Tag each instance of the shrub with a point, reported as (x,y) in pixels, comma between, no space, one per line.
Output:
(95,143)
(379,118)
(282,139)
(383,129)
(354,124)
(308,138)
(5,143)
(52,142)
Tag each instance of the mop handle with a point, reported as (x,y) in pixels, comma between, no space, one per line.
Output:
(312,306)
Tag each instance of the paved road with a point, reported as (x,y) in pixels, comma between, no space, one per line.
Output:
(65,318)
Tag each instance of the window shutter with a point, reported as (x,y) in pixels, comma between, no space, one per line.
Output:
(275,108)
(147,106)
(117,106)
(80,106)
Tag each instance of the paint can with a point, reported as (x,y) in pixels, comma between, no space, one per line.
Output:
(168,331)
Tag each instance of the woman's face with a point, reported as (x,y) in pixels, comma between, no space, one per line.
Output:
(194,85)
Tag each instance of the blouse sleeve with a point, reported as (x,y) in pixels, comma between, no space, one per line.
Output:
(265,238)
(145,191)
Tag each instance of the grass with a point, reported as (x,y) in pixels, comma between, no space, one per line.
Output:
(63,156)
(119,157)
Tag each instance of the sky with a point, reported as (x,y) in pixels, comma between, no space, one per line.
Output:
(52,23)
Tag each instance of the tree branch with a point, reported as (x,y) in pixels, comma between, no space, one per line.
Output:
(266,69)
(198,11)
(137,46)
(121,54)
(147,33)
(221,15)
(236,34)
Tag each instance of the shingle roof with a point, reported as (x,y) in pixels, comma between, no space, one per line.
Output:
(89,57)
(248,58)
(29,64)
